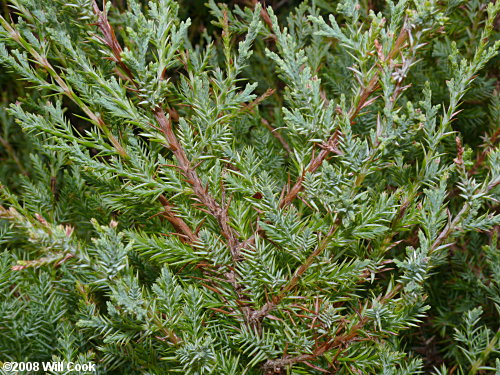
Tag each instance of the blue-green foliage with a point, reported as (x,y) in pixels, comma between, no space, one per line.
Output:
(293,189)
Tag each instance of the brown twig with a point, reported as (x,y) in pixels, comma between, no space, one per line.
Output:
(65,89)
(184,165)
(277,135)
(331,146)
(448,229)
(110,40)
(178,223)
(265,17)
(332,142)
(258,315)
(194,180)
(165,126)
(273,366)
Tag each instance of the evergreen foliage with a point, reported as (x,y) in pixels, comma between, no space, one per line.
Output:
(306,187)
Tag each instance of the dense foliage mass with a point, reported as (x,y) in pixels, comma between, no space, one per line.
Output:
(296,187)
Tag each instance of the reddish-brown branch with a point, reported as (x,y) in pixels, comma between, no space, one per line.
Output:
(189,172)
(250,106)
(184,165)
(332,142)
(179,225)
(331,145)
(316,162)
(258,315)
(109,39)
(277,135)
(449,229)
(194,180)
(274,366)
(66,90)
(265,17)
